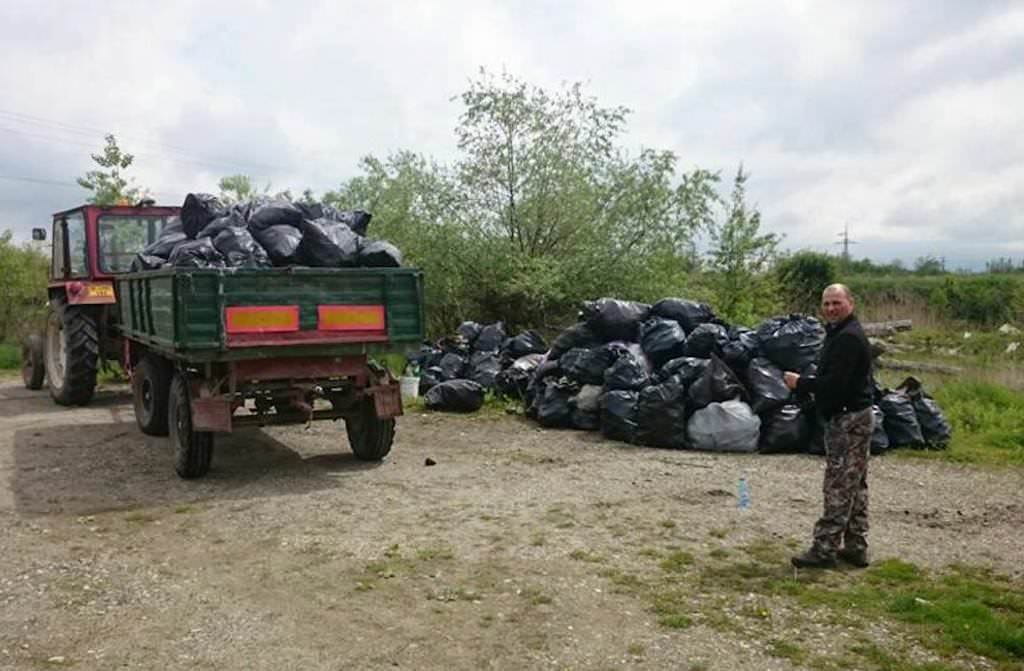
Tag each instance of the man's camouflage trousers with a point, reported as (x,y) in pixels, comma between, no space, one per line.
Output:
(845,520)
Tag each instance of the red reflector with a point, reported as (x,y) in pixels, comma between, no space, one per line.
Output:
(351,318)
(262,319)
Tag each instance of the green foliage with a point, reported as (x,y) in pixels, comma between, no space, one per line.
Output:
(23,290)
(10,357)
(802,277)
(988,300)
(110,186)
(987,421)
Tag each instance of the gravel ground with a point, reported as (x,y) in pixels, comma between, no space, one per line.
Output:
(293,555)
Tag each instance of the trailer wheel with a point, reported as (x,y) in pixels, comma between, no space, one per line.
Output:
(72,354)
(193,450)
(369,437)
(151,386)
(32,369)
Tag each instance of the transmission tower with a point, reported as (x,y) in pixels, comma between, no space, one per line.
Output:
(845,241)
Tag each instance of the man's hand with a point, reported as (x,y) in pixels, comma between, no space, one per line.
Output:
(790,379)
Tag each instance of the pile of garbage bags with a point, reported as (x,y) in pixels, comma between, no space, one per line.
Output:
(456,372)
(264,232)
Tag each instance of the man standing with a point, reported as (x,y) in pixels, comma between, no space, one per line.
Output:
(843,392)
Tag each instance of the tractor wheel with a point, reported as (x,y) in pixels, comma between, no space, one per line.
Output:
(32,368)
(72,354)
(369,437)
(193,450)
(151,386)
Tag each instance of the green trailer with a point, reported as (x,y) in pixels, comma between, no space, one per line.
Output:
(210,350)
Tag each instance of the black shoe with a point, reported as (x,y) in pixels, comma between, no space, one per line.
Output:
(855,557)
(812,559)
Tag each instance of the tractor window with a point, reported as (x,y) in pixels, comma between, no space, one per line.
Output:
(77,254)
(57,263)
(122,237)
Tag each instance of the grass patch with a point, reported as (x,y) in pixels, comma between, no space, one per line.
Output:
(786,650)
(432,553)
(987,421)
(583,555)
(10,357)
(677,562)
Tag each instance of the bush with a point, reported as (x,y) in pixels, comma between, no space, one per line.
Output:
(802,277)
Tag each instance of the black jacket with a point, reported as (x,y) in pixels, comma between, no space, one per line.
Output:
(845,380)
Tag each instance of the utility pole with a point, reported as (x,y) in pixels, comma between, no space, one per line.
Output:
(845,241)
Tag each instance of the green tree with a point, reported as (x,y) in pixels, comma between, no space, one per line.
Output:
(739,256)
(23,290)
(236,188)
(110,185)
(802,277)
(929,265)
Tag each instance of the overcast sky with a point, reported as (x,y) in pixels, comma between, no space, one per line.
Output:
(901,119)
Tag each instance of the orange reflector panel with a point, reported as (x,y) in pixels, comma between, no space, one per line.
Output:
(351,318)
(262,319)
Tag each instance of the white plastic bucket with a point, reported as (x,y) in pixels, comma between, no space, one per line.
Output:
(410,387)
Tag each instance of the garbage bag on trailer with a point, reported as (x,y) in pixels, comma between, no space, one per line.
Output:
(455,396)
(514,380)
(588,366)
(484,368)
(934,426)
(900,421)
(768,390)
(492,337)
(793,342)
(230,220)
(586,408)
(785,429)
(327,244)
(198,210)
(527,342)
(614,319)
(146,262)
(715,385)
(705,340)
(240,249)
(273,212)
(687,368)
(631,370)
(196,254)
(662,339)
(577,335)
(661,415)
(430,378)
(379,254)
(689,314)
(725,427)
(879,439)
(170,237)
(357,220)
(553,410)
(469,331)
(453,365)
(279,241)
(618,415)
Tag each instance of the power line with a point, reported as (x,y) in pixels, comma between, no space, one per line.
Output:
(846,241)
(37,180)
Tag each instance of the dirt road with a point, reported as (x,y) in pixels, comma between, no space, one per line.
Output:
(520,548)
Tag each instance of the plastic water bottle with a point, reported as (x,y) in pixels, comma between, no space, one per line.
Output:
(744,494)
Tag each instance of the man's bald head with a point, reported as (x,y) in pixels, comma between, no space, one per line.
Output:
(836,303)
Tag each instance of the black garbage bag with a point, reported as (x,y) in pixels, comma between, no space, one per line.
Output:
(273,212)
(491,337)
(469,331)
(198,210)
(613,319)
(686,369)
(240,249)
(618,415)
(514,380)
(901,423)
(730,426)
(588,366)
(793,342)
(534,392)
(196,254)
(934,426)
(689,314)
(281,242)
(553,409)
(631,370)
(357,220)
(879,438)
(455,344)
(527,342)
(146,262)
(379,254)
(661,415)
(170,237)
(484,368)
(706,339)
(230,220)
(740,350)
(716,384)
(662,339)
(785,429)
(455,396)
(586,408)
(327,244)
(430,378)
(768,391)
(453,365)
(577,335)
(425,357)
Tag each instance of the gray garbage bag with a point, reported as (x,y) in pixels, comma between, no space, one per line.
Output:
(725,427)
(586,408)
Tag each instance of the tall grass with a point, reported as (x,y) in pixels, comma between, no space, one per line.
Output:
(10,357)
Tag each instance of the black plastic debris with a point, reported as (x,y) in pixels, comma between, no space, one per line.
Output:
(379,254)
(170,237)
(768,391)
(327,244)
(613,319)
(469,331)
(689,314)
(705,340)
(240,249)
(492,337)
(618,415)
(577,335)
(196,254)
(785,429)
(230,220)
(553,408)
(514,380)
(274,212)
(662,339)
(281,242)
(455,396)
(527,342)
(586,408)
(453,365)
(687,369)
(484,368)
(792,342)
(146,262)
(198,210)
(661,415)
(715,385)
(631,370)
(430,378)
(879,438)
(588,366)
(900,421)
